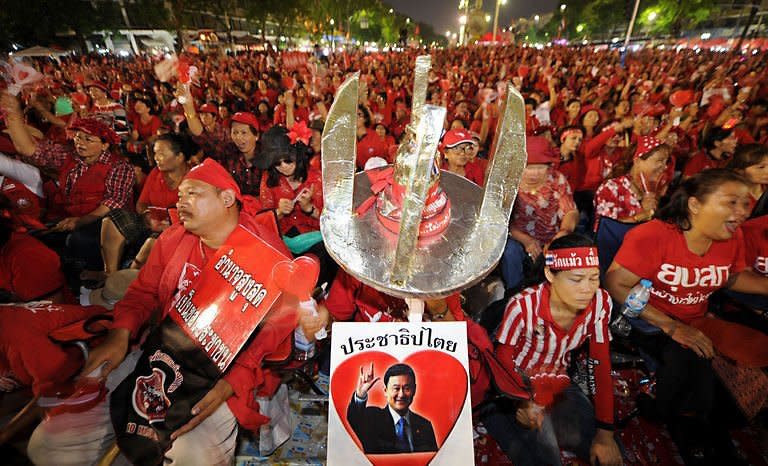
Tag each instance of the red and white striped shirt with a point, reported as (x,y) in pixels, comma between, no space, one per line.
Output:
(533,342)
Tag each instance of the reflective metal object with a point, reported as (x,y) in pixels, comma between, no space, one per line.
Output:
(404,265)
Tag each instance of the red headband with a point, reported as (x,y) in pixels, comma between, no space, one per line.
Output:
(571,258)
(211,172)
(568,132)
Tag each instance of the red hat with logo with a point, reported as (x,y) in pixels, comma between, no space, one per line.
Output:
(539,150)
(208,108)
(455,137)
(246,118)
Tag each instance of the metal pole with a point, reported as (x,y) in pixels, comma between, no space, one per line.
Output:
(496,21)
(128,25)
(631,24)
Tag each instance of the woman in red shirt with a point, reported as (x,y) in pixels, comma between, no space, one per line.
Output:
(144,123)
(694,248)
(124,228)
(369,144)
(541,327)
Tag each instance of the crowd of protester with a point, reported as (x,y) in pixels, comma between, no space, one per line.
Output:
(103,168)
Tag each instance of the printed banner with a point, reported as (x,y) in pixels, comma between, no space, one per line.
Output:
(229,297)
(294,60)
(399,395)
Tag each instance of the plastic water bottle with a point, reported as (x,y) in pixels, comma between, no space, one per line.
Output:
(634,304)
(305,349)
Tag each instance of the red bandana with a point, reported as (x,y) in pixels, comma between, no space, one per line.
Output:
(646,144)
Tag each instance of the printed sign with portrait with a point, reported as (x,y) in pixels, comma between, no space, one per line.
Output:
(399,395)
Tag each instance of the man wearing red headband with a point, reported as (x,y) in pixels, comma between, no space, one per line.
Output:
(91,180)
(210,207)
(541,327)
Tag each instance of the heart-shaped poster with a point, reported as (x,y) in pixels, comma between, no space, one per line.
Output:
(435,406)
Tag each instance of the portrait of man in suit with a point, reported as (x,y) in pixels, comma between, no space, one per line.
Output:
(393,428)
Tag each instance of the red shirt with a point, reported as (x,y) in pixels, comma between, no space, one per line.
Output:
(682,281)
(539,215)
(533,342)
(26,352)
(371,145)
(349,299)
(156,192)
(28,269)
(699,162)
(615,199)
(147,130)
(756,244)
(270,197)
(473,171)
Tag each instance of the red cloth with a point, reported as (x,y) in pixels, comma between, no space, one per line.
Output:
(746,346)
(156,193)
(371,145)
(176,258)
(530,340)
(27,352)
(349,299)
(595,160)
(97,128)
(25,211)
(699,162)
(28,269)
(756,244)
(682,281)
(270,197)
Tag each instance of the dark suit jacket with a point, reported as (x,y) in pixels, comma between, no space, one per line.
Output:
(375,429)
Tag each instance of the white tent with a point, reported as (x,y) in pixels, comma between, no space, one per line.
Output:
(38,51)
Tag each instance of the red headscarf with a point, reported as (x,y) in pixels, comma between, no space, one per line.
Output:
(96,127)
(211,172)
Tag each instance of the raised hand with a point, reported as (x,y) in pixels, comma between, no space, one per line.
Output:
(365,381)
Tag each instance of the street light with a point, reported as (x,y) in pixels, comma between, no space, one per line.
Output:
(463,20)
(563,7)
(652,16)
(391,10)
(407,20)
(487,18)
(332,22)
(496,17)
(536,18)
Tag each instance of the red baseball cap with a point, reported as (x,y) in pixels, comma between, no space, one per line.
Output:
(455,137)
(208,108)
(539,150)
(247,118)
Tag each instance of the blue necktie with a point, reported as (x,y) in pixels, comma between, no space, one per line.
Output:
(401,439)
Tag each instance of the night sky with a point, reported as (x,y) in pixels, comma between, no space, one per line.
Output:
(444,14)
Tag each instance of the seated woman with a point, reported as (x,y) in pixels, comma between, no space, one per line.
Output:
(541,327)
(123,227)
(692,249)
(544,211)
(751,161)
(293,189)
(633,197)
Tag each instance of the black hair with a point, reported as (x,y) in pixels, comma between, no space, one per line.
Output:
(275,147)
(714,135)
(747,156)
(180,143)
(399,369)
(699,186)
(366,115)
(6,224)
(572,100)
